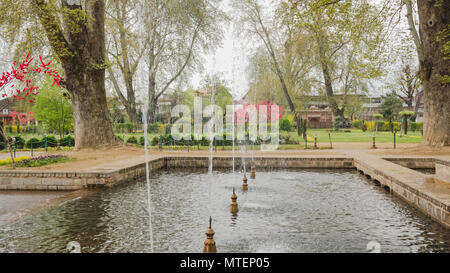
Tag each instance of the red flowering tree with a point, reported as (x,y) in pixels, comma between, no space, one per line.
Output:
(21,83)
(242,112)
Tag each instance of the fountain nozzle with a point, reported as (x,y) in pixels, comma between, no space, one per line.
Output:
(234,205)
(253,172)
(245,185)
(210,244)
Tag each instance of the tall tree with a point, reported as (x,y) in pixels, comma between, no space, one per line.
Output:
(256,23)
(178,32)
(434,17)
(412,82)
(74,30)
(408,89)
(78,39)
(348,38)
(390,108)
(126,49)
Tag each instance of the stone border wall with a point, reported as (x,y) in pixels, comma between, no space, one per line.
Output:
(407,188)
(406,185)
(442,171)
(413,163)
(70,181)
(266,163)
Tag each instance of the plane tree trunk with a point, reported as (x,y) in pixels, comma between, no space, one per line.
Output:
(434,17)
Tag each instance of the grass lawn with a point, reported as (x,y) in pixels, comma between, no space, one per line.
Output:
(359,136)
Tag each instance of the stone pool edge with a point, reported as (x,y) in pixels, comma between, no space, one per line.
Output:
(399,180)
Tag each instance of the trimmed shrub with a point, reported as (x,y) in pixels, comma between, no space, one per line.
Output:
(64,142)
(142,141)
(357,124)
(154,141)
(20,142)
(36,143)
(416,126)
(380,125)
(154,128)
(3,145)
(132,140)
(125,127)
(51,141)
(285,125)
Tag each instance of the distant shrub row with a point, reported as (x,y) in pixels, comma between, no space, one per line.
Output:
(384,125)
(129,127)
(39,143)
(168,140)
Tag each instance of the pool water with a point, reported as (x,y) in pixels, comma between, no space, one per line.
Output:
(283,211)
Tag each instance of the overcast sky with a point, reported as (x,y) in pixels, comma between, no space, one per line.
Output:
(230,60)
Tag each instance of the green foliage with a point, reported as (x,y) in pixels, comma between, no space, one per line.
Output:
(53,109)
(406,114)
(67,141)
(51,141)
(3,142)
(154,128)
(154,141)
(142,141)
(302,127)
(378,116)
(357,124)
(36,143)
(12,129)
(31,129)
(20,142)
(370,125)
(132,140)
(337,123)
(42,161)
(127,127)
(379,124)
(390,106)
(416,126)
(286,125)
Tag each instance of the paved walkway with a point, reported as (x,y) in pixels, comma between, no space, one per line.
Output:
(20,154)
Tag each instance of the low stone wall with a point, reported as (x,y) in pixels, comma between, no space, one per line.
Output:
(443,171)
(414,163)
(70,181)
(407,184)
(67,181)
(265,163)
(404,182)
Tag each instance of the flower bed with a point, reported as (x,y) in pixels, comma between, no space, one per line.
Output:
(42,161)
(8,161)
